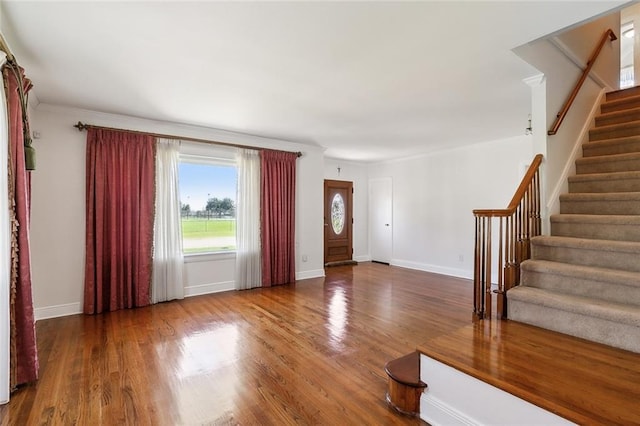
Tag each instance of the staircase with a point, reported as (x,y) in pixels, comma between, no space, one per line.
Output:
(584,279)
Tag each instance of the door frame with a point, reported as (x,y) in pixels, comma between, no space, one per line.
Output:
(348,185)
(373,205)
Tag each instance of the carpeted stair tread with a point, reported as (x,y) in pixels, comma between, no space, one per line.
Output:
(617,117)
(605,176)
(600,227)
(615,312)
(611,146)
(614,324)
(601,196)
(607,203)
(618,130)
(620,104)
(609,163)
(582,280)
(622,93)
(628,181)
(596,219)
(588,244)
(621,255)
(614,276)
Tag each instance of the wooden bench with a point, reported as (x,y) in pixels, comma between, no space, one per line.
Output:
(405,386)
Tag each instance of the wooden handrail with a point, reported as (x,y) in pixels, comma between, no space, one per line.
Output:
(563,112)
(516,225)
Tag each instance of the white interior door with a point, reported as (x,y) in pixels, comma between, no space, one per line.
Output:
(381,219)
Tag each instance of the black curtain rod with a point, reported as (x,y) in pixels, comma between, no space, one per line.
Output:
(82,126)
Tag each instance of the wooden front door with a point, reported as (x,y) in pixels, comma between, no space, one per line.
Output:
(338,221)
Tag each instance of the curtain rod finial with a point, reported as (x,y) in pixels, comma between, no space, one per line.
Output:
(81,126)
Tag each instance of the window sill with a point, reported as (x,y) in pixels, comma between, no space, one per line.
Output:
(208,257)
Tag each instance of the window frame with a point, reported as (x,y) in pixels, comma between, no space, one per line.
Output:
(212,156)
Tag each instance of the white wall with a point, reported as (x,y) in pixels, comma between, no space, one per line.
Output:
(58,208)
(582,40)
(356,173)
(434,196)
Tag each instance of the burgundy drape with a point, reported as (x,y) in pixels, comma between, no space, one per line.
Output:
(23,351)
(120,210)
(277,217)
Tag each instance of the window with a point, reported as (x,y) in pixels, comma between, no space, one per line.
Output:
(208,204)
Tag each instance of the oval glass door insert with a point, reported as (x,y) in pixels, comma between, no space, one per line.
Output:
(337,213)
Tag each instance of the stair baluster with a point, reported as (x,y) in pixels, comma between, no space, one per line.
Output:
(516,225)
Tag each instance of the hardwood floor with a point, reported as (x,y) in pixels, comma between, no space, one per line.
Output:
(309,353)
(585,382)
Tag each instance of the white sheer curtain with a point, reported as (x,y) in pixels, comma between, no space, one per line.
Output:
(248,258)
(5,250)
(167,283)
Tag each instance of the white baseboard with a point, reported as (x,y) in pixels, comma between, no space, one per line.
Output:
(199,290)
(365,258)
(55,311)
(437,412)
(314,273)
(454,272)
(64,310)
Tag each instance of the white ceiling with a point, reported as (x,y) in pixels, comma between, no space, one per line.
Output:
(366,80)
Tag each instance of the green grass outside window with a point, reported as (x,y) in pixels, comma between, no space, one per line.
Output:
(201,235)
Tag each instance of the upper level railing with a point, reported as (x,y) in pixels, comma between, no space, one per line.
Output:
(516,225)
(609,34)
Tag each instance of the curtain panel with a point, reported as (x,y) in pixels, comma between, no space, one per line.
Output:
(23,352)
(278,189)
(248,256)
(120,201)
(167,282)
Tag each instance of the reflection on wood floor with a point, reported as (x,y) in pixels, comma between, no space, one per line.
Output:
(309,353)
